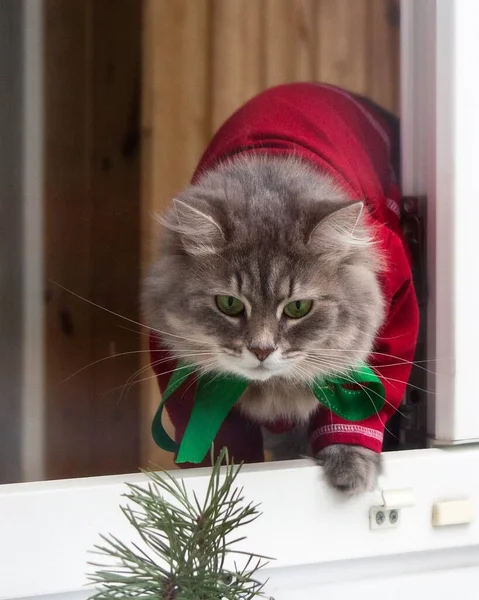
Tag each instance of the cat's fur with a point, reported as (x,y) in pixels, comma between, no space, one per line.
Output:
(267,231)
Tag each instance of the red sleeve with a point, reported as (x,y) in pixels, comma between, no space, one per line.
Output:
(391,360)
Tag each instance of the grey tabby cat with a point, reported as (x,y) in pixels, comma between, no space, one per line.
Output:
(265,206)
(281,263)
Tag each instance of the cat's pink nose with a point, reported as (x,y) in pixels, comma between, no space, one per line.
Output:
(261,353)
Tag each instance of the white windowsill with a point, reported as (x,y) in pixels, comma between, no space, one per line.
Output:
(52,525)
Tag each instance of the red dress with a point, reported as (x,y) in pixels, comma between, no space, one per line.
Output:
(352,140)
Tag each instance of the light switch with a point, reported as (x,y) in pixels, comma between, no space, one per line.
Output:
(453,512)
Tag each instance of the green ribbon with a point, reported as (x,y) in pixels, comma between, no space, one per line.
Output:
(217,394)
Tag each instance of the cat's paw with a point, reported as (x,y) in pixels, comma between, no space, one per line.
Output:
(350,469)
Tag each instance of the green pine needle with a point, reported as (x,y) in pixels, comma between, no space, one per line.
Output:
(188,542)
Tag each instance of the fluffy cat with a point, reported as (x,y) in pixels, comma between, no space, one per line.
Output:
(270,269)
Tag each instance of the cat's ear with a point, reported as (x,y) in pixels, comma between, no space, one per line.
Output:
(341,231)
(200,233)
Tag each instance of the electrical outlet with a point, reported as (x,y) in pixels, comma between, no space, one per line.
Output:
(381,517)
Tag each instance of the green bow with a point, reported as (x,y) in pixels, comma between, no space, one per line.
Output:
(217,394)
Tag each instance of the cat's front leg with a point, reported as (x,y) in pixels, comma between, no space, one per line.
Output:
(350,469)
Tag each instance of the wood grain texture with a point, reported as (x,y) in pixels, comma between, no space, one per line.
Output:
(383,54)
(229,53)
(304,40)
(176,126)
(115,192)
(68,217)
(342,43)
(176,90)
(278,35)
(253,65)
(236,57)
(92,65)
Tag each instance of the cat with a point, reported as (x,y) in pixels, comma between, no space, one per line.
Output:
(284,261)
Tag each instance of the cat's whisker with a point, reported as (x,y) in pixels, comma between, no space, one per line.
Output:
(326,404)
(177,358)
(144,333)
(414,363)
(338,361)
(396,409)
(305,374)
(332,364)
(371,352)
(151,377)
(124,393)
(411,385)
(112,312)
(296,378)
(348,376)
(393,337)
(192,382)
(402,361)
(214,378)
(95,362)
(330,367)
(366,391)
(126,387)
(109,357)
(156,363)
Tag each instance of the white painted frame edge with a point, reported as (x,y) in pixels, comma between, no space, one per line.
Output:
(51,526)
(440,128)
(457,213)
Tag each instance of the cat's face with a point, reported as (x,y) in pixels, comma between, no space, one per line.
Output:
(260,277)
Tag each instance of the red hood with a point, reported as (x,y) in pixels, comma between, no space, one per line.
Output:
(338,132)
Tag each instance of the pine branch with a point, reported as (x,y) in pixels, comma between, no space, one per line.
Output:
(185,543)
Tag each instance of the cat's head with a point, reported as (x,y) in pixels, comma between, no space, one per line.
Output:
(266,270)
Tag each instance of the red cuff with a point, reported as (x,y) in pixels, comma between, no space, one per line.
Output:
(328,429)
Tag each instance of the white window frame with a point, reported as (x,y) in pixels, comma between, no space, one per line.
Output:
(440,129)
(322,542)
(318,538)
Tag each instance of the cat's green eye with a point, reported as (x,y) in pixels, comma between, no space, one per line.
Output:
(229,305)
(298,308)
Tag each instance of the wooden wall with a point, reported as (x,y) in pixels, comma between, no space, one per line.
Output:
(194,61)
(204,58)
(92,208)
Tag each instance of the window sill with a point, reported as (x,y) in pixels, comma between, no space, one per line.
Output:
(52,525)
